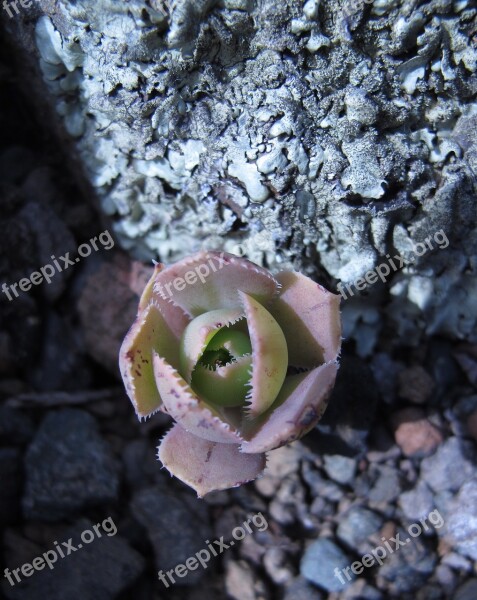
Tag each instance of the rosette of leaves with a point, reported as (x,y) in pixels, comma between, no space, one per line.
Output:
(244,362)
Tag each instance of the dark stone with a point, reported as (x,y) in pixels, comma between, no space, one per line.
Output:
(10,487)
(16,427)
(97,571)
(15,164)
(140,463)
(385,371)
(462,415)
(53,238)
(62,363)
(466,591)
(177,526)
(107,307)
(345,425)
(443,367)
(409,568)
(68,467)
(22,328)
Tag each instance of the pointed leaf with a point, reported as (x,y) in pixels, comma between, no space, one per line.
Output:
(175,317)
(216,278)
(207,466)
(198,334)
(299,406)
(149,332)
(226,386)
(309,316)
(185,407)
(148,292)
(269,353)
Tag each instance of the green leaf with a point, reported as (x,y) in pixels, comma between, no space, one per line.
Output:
(199,333)
(236,342)
(151,331)
(226,386)
(269,354)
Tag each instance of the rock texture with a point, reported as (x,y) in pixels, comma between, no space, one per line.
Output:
(320,134)
(351,487)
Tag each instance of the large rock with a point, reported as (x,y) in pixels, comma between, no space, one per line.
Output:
(68,467)
(176,525)
(349,417)
(327,140)
(98,571)
(107,305)
(466,591)
(10,488)
(16,427)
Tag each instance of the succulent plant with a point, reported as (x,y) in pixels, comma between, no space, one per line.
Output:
(243,361)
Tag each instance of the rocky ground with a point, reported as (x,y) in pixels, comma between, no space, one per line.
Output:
(397,442)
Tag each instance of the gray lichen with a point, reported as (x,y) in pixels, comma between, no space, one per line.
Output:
(343,136)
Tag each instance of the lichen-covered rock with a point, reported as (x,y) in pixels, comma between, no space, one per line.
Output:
(341,134)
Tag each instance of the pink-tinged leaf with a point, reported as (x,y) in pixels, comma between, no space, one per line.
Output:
(175,317)
(226,386)
(309,317)
(148,292)
(185,407)
(269,354)
(149,332)
(207,466)
(299,406)
(198,334)
(210,281)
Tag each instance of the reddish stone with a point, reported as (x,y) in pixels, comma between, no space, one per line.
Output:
(108,306)
(414,433)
